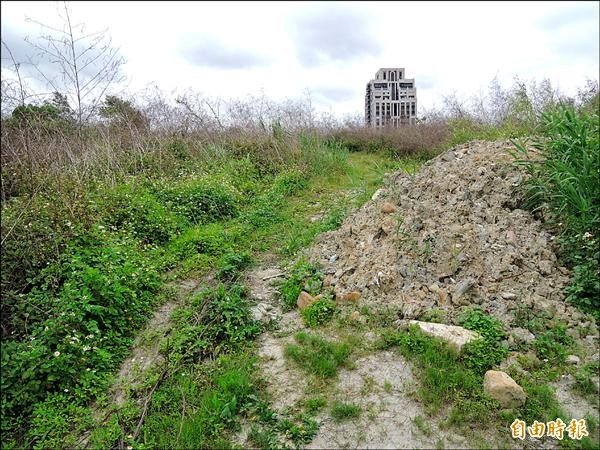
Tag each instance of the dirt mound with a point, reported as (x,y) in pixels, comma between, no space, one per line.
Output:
(452,238)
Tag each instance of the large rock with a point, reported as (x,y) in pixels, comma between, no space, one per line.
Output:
(305,300)
(455,336)
(503,388)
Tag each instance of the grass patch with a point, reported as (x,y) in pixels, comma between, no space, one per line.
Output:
(318,356)
(341,412)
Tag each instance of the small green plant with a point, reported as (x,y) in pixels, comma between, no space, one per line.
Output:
(482,354)
(230,265)
(302,276)
(387,387)
(341,412)
(422,425)
(317,355)
(553,345)
(315,404)
(320,312)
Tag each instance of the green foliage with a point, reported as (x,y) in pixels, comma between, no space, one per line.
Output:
(200,201)
(553,345)
(482,354)
(290,182)
(340,412)
(230,265)
(317,355)
(107,288)
(300,429)
(320,312)
(122,112)
(208,239)
(302,276)
(217,320)
(565,184)
(444,378)
(315,404)
(138,212)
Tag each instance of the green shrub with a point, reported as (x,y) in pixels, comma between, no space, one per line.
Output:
(490,328)
(553,345)
(482,354)
(107,290)
(200,201)
(208,239)
(320,312)
(132,209)
(231,265)
(217,320)
(290,182)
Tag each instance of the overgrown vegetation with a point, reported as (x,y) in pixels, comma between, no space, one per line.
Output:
(565,188)
(98,215)
(448,379)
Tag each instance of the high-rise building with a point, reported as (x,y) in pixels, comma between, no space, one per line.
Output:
(391,99)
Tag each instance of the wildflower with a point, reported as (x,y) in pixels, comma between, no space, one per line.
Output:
(587,235)
(66,390)
(57,354)
(86,348)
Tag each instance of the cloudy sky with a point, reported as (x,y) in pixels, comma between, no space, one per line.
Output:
(332,49)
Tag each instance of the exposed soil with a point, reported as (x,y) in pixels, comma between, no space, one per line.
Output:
(447,238)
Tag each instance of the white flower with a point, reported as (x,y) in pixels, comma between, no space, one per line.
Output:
(86,348)
(587,235)
(57,354)
(66,390)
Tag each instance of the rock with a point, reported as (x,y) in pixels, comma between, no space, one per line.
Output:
(508,296)
(354,316)
(262,312)
(305,300)
(462,289)
(573,359)
(503,388)
(388,208)
(377,194)
(521,336)
(349,297)
(455,336)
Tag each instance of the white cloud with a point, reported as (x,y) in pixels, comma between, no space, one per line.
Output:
(232,49)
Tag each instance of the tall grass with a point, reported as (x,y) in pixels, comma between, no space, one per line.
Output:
(565,187)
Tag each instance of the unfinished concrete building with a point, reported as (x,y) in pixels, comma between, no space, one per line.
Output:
(391,99)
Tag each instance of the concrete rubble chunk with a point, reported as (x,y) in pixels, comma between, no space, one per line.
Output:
(388,208)
(454,335)
(305,300)
(503,388)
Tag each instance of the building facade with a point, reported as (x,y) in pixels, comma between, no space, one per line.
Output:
(391,99)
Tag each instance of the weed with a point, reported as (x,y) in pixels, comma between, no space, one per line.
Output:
(302,276)
(422,425)
(230,265)
(341,412)
(387,387)
(317,355)
(320,312)
(315,404)
(482,354)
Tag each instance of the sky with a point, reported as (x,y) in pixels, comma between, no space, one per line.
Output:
(330,50)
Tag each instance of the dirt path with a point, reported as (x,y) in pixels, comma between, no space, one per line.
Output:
(381,382)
